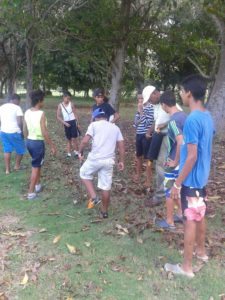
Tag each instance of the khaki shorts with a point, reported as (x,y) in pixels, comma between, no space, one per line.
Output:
(102,167)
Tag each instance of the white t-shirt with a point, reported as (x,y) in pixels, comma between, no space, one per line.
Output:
(67,112)
(104,135)
(8,117)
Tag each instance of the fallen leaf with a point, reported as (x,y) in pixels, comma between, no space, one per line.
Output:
(139,240)
(25,279)
(42,230)
(87,244)
(12,233)
(214,198)
(52,259)
(121,230)
(71,249)
(56,239)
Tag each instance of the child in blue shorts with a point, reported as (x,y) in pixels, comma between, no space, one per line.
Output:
(36,132)
(174,141)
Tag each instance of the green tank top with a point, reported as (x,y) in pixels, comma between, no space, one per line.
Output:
(33,121)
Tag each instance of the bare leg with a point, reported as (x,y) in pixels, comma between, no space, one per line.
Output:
(105,201)
(90,187)
(169,211)
(18,161)
(179,210)
(69,146)
(189,241)
(200,237)
(74,144)
(139,163)
(148,174)
(7,157)
(34,179)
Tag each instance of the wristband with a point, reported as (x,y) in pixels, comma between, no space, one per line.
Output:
(176,187)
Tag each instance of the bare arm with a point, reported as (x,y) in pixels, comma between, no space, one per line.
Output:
(59,116)
(20,122)
(25,130)
(116,117)
(84,143)
(46,135)
(189,164)
(121,148)
(175,162)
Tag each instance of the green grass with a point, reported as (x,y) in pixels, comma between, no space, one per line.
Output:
(113,266)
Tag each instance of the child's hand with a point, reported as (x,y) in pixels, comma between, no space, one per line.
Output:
(66,124)
(140,108)
(53,150)
(120,166)
(171,163)
(158,130)
(81,156)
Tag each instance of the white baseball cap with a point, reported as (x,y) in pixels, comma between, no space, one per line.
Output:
(146,93)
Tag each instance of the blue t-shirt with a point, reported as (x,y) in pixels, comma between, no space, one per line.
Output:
(198,130)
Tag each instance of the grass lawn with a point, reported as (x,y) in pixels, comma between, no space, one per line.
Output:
(116,259)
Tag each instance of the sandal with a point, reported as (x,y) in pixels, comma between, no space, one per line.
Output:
(177,269)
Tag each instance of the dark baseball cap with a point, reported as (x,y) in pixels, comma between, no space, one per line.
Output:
(98,92)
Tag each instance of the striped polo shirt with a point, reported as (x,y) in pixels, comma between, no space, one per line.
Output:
(144,121)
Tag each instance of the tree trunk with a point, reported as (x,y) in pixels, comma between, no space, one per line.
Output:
(29,60)
(117,74)
(11,84)
(120,53)
(217,97)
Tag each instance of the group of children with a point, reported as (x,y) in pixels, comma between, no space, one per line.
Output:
(186,161)
(180,144)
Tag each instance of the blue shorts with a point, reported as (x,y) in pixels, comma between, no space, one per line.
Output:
(36,148)
(142,145)
(13,141)
(170,177)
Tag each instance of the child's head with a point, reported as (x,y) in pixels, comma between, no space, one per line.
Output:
(99,95)
(37,98)
(193,87)
(66,97)
(140,98)
(150,94)
(167,100)
(15,99)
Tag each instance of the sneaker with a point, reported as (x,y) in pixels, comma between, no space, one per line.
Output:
(31,196)
(164,225)
(68,155)
(76,153)
(104,215)
(93,202)
(38,188)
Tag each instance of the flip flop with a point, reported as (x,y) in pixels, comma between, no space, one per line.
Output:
(163,224)
(176,269)
(20,168)
(203,258)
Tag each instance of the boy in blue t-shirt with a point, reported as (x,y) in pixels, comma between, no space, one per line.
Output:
(194,171)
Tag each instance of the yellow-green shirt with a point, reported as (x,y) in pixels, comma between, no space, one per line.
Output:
(33,121)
